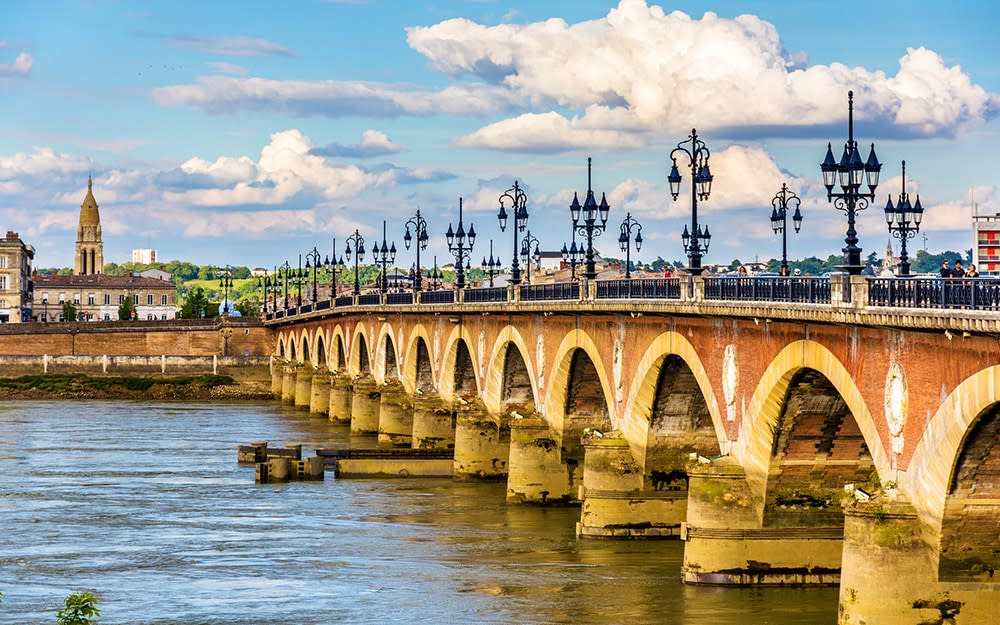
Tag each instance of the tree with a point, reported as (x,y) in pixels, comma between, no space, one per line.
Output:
(195,305)
(69,311)
(249,306)
(81,609)
(127,309)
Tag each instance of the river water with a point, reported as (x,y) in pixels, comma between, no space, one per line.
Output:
(144,505)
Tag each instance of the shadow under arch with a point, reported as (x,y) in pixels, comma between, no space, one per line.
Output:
(792,367)
(642,396)
(320,361)
(458,372)
(511,382)
(281,346)
(337,359)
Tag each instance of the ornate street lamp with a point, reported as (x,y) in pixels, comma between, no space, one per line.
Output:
(434,277)
(590,212)
(264,284)
(696,240)
(492,266)
(335,264)
(298,277)
(779,220)
(625,240)
(420,227)
(314,258)
(572,255)
(285,269)
(356,246)
(904,223)
(852,173)
(518,201)
(384,256)
(460,244)
(226,283)
(527,256)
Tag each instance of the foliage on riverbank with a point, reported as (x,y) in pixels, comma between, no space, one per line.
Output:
(82,386)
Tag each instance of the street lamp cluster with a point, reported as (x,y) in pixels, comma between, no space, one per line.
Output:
(590,219)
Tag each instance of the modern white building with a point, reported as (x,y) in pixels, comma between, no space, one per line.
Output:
(144,255)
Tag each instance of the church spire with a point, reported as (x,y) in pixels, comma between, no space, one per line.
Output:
(89,257)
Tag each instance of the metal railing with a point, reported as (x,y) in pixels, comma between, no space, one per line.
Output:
(553,291)
(343,300)
(643,288)
(486,294)
(322,305)
(769,289)
(369,299)
(437,297)
(397,299)
(968,293)
(305,308)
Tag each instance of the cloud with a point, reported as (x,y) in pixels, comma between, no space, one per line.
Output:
(546,133)
(228,68)
(667,72)
(41,161)
(373,143)
(20,67)
(332,98)
(227,45)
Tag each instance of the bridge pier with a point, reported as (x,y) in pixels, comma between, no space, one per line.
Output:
(482,443)
(395,417)
(433,423)
(277,376)
(615,503)
(365,406)
(727,544)
(288,383)
(303,386)
(341,398)
(536,473)
(319,395)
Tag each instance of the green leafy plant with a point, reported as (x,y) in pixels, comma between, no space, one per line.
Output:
(81,609)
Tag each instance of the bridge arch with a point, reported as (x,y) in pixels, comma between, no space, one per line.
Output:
(638,422)
(459,376)
(799,365)
(387,364)
(360,359)
(336,358)
(510,378)
(281,345)
(320,359)
(962,435)
(418,371)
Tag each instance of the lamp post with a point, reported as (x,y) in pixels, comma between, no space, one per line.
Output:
(491,266)
(590,211)
(284,274)
(625,240)
(420,227)
(527,256)
(264,284)
(518,201)
(696,240)
(313,257)
(384,256)
(434,277)
(460,244)
(572,255)
(335,264)
(356,246)
(904,223)
(850,200)
(779,220)
(298,275)
(226,283)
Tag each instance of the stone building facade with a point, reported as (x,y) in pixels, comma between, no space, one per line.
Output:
(95,295)
(16,284)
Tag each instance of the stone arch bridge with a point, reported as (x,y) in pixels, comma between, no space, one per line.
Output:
(790,430)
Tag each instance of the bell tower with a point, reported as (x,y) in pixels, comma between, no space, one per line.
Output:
(89,257)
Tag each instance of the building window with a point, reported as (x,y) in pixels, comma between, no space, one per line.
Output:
(62,298)
(90,299)
(135,300)
(163,301)
(121,300)
(163,317)
(3,262)
(149,300)
(107,299)
(150,317)
(107,317)
(3,283)
(45,298)
(76,299)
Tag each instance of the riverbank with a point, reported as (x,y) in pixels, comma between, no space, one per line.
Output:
(81,386)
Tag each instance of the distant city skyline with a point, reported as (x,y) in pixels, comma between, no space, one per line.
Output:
(248,133)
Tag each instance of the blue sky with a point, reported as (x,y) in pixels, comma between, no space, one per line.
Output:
(249,132)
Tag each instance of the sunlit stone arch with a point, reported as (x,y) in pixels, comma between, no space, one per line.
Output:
(446,374)
(492,385)
(754,445)
(642,393)
(409,368)
(557,390)
(336,334)
(380,366)
(360,334)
